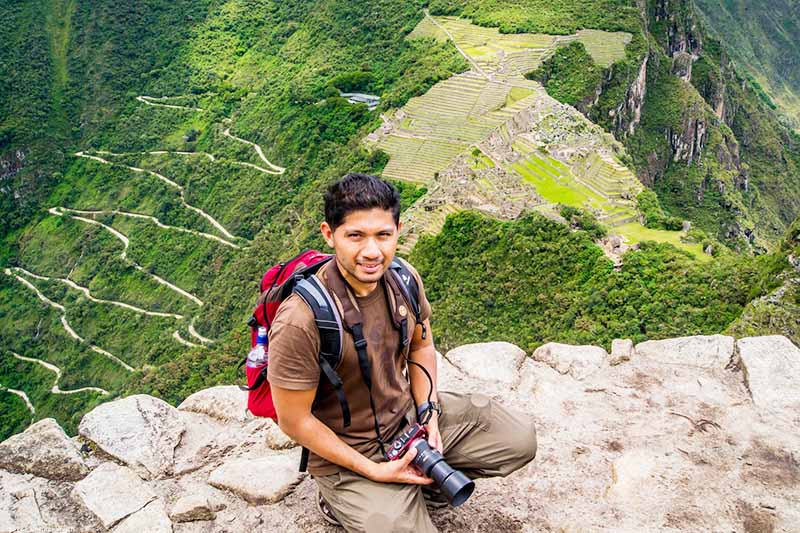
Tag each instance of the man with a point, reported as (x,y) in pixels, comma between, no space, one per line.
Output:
(357,487)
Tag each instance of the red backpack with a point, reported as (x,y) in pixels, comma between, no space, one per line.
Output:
(277,284)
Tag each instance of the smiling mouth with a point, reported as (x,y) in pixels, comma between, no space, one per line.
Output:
(370,267)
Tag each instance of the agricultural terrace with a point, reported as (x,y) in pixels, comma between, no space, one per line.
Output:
(425,137)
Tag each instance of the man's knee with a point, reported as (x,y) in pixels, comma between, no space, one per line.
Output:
(522,445)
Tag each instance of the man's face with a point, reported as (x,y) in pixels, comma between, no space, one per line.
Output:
(365,244)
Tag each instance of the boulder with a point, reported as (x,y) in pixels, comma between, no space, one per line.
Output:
(703,351)
(621,351)
(577,361)
(277,439)
(43,450)
(112,492)
(140,431)
(19,510)
(200,504)
(491,361)
(772,372)
(225,403)
(258,480)
(152,518)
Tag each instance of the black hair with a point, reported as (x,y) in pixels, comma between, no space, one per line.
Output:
(356,192)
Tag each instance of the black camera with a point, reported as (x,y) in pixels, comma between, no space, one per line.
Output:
(456,486)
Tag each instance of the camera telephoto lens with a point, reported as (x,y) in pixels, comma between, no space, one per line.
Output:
(455,485)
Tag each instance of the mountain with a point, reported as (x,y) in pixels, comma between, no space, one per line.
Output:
(157,157)
(763,40)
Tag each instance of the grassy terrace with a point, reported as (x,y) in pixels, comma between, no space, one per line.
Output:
(455,115)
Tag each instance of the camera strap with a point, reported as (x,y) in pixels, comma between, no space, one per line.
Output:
(366,375)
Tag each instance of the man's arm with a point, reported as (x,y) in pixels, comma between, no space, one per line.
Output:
(423,353)
(297,421)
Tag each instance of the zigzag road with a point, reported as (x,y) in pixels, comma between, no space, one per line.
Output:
(150,218)
(87,293)
(177,336)
(156,102)
(169,182)
(71,332)
(124,255)
(22,395)
(277,169)
(53,368)
(211,157)
(193,333)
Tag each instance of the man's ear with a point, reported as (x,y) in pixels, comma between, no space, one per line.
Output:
(327,233)
(399,227)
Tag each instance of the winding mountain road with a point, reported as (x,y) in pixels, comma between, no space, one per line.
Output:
(88,294)
(169,182)
(193,333)
(71,332)
(124,255)
(177,336)
(276,169)
(53,368)
(153,219)
(154,101)
(22,395)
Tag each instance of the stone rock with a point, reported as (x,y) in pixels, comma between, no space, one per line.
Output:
(710,351)
(278,440)
(140,431)
(225,403)
(43,450)
(621,351)
(577,361)
(112,492)
(152,518)
(259,480)
(201,504)
(19,510)
(772,372)
(491,361)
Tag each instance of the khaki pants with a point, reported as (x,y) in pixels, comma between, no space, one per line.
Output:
(480,437)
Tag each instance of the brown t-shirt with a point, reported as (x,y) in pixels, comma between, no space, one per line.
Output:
(294,364)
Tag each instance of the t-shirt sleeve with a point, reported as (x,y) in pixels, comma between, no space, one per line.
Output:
(294,347)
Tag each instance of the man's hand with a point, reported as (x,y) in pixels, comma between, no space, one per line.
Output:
(399,471)
(434,437)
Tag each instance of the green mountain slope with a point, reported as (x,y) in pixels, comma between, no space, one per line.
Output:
(166,153)
(763,39)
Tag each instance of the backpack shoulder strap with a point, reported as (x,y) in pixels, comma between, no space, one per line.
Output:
(329,324)
(406,283)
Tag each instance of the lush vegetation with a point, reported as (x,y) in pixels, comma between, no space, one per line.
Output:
(570,75)
(533,281)
(763,38)
(269,72)
(654,217)
(544,16)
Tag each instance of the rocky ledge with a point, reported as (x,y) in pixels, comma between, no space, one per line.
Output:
(695,433)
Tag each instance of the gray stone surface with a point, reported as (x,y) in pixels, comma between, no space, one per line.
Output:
(225,403)
(577,361)
(112,492)
(43,450)
(648,445)
(140,431)
(490,361)
(772,372)
(202,504)
(621,351)
(152,518)
(707,351)
(259,480)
